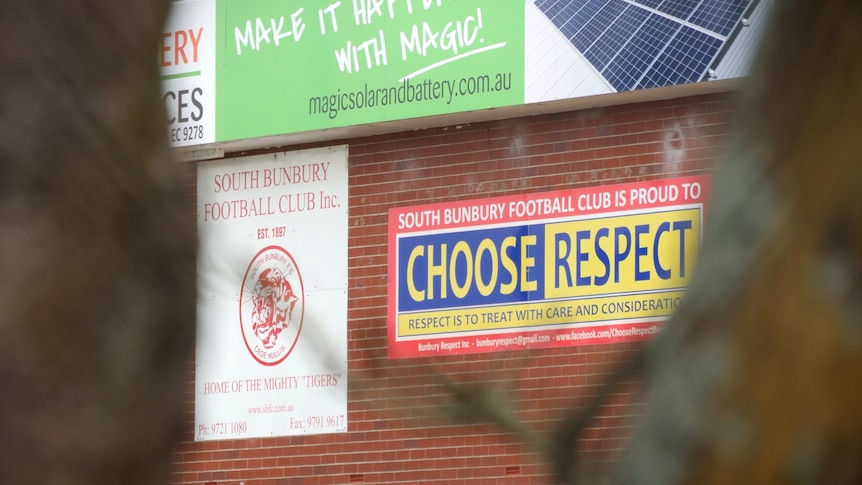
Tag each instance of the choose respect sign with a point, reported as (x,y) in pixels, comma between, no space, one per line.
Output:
(599,265)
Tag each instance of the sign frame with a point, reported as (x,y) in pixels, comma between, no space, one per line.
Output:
(565,268)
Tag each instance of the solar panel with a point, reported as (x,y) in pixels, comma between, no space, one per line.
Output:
(650,3)
(683,61)
(626,69)
(646,43)
(603,19)
(680,9)
(613,39)
(553,9)
(578,22)
(719,16)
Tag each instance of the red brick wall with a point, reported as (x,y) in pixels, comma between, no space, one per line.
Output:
(399,425)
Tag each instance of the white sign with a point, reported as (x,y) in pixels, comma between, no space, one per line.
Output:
(187,59)
(272,295)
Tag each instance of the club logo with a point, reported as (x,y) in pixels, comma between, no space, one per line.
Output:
(272,304)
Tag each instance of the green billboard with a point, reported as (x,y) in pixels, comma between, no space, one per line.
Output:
(286,67)
(235,70)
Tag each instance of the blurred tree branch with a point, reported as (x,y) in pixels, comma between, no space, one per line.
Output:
(97,248)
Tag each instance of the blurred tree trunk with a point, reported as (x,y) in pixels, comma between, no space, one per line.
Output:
(97,258)
(757,378)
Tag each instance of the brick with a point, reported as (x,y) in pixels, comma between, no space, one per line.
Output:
(388,441)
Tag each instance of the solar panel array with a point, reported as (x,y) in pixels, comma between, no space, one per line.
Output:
(647,43)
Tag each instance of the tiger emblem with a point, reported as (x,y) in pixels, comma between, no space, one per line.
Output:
(273,301)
